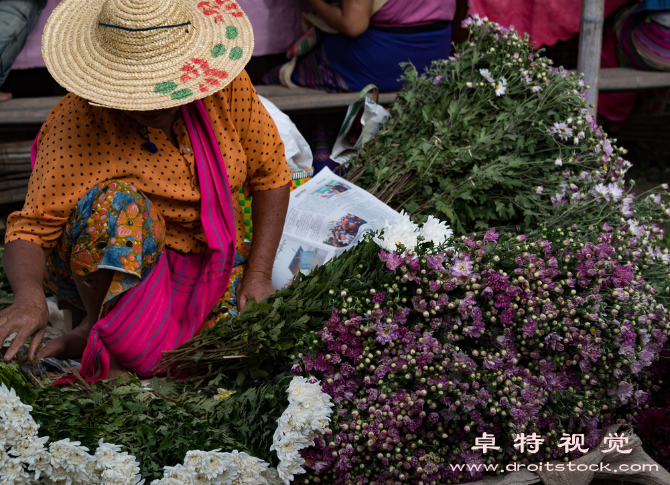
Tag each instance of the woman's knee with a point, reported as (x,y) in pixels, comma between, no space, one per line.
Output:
(118,208)
(115,225)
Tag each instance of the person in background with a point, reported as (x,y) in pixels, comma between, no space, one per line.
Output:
(370,47)
(17,19)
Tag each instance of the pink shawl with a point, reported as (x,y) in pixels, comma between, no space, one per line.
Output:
(170,304)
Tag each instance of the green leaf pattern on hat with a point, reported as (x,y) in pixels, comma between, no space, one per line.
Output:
(218,50)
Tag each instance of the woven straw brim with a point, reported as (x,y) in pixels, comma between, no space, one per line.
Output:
(149,69)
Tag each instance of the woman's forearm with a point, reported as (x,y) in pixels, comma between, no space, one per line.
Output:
(352,19)
(25,265)
(269,211)
(331,14)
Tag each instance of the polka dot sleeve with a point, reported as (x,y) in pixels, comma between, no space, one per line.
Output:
(266,164)
(66,168)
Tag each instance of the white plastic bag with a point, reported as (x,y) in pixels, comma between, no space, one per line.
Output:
(298,153)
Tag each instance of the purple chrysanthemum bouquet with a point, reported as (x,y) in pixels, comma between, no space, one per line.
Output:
(516,337)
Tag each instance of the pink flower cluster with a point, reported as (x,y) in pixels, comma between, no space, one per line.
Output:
(505,335)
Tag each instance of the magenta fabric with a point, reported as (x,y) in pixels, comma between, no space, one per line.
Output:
(169,305)
(546,21)
(397,13)
(33,150)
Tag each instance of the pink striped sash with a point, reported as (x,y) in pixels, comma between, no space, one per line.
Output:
(169,305)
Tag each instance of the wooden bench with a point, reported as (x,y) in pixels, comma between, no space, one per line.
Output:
(627,79)
(33,111)
(17,113)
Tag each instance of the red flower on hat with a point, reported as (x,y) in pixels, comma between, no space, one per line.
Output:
(219,7)
(212,75)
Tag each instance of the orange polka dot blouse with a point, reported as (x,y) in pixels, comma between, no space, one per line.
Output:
(81,146)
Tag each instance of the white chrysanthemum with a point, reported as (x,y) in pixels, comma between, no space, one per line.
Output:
(110,457)
(168,481)
(106,454)
(251,470)
(562,130)
(40,465)
(114,477)
(216,468)
(288,469)
(28,447)
(8,398)
(301,391)
(16,423)
(402,231)
(486,74)
(272,477)
(208,463)
(199,479)
(436,231)
(13,472)
(31,452)
(180,473)
(501,86)
(309,408)
(298,417)
(307,415)
(289,445)
(71,462)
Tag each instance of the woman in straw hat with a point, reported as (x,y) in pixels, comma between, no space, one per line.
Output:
(132,207)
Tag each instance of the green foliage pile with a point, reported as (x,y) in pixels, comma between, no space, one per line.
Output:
(457,149)
(11,376)
(158,423)
(257,344)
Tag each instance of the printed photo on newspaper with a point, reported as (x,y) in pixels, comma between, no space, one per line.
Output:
(326,216)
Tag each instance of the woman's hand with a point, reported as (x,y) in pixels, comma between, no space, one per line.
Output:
(25,265)
(28,316)
(255,286)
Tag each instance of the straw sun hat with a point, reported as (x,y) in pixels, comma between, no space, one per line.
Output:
(146,54)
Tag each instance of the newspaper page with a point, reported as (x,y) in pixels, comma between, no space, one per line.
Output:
(326,216)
